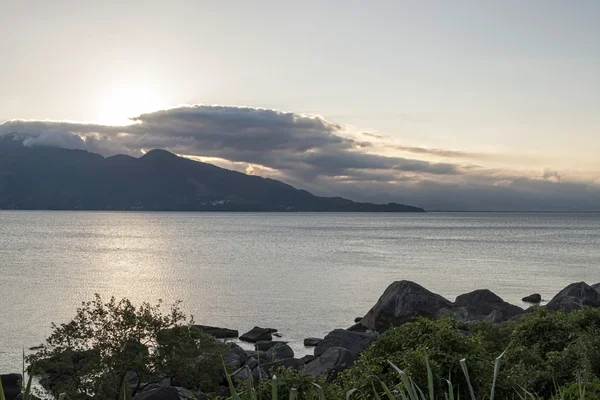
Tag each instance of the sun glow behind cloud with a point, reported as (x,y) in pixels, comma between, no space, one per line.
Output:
(119,105)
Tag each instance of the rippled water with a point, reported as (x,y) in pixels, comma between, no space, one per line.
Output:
(305,274)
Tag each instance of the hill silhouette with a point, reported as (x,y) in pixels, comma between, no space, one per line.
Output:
(49,178)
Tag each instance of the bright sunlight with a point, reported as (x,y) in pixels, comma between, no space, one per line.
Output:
(119,106)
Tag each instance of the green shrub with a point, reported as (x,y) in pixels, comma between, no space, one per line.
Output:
(97,352)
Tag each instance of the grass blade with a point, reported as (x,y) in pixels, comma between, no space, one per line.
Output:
(463,365)
(450,390)
(496,370)
(430,379)
(388,392)
(350,392)
(27,395)
(412,394)
(321,392)
(274,388)
(2,391)
(293,394)
(234,393)
(375,394)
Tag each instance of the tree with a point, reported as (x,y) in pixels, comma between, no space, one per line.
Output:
(113,347)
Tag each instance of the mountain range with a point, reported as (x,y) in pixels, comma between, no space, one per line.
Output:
(49,178)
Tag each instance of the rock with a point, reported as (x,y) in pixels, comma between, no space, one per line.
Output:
(161,393)
(251,367)
(497,317)
(596,287)
(311,341)
(401,302)
(280,351)
(484,302)
(332,361)
(308,358)
(466,315)
(265,345)
(12,385)
(257,334)
(575,296)
(259,355)
(278,335)
(354,342)
(235,356)
(357,320)
(358,327)
(533,298)
(289,363)
(219,333)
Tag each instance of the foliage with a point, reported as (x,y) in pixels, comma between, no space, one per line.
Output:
(415,345)
(111,347)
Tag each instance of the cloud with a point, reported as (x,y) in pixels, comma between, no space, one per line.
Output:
(311,152)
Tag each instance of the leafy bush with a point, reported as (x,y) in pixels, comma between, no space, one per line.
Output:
(111,348)
(412,346)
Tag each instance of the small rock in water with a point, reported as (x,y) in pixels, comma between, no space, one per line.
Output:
(533,298)
(34,348)
(257,334)
(311,341)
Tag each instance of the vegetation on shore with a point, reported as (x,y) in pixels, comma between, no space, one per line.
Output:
(113,350)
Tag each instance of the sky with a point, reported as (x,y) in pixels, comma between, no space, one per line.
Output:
(466,105)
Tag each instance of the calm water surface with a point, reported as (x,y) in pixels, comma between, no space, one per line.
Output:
(304,274)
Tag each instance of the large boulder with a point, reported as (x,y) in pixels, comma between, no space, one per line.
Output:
(235,356)
(354,342)
(280,351)
(575,296)
(257,334)
(12,385)
(484,302)
(596,287)
(535,298)
(219,333)
(401,302)
(332,361)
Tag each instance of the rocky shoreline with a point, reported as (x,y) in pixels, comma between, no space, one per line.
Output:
(402,302)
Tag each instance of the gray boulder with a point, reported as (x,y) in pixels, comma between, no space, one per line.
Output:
(219,333)
(257,334)
(12,385)
(235,356)
(484,302)
(401,302)
(358,327)
(354,342)
(259,355)
(575,296)
(265,345)
(596,287)
(250,368)
(312,342)
(280,351)
(533,298)
(332,361)
(308,358)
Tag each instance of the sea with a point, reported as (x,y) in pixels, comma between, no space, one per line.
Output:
(304,274)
